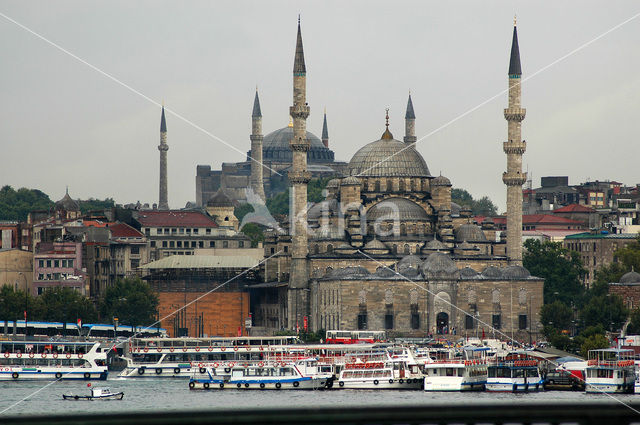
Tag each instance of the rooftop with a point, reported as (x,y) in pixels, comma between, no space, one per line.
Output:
(574,208)
(175,219)
(203,262)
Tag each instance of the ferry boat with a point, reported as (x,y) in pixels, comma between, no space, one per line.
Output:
(266,377)
(46,360)
(400,373)
(517,372)
(465,374)
(181,357)
(610,370)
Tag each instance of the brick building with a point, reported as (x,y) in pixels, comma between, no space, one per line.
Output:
(59,264)
(628,289)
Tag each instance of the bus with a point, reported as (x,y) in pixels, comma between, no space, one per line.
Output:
(90,330)
(97,330)
(10,327)
(355,337)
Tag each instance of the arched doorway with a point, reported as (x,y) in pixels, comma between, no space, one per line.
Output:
(442,323)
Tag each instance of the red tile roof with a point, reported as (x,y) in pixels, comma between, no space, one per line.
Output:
(123,230)
(175,219)
(547,219)
(574,208)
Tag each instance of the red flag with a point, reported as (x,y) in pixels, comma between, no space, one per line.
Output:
(305,323)
(482,333)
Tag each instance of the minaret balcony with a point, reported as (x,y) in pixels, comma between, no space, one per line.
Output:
(514,114)
(514,179)
(513,147)
(300,145)
(163,148)
(299,111)
(299,177)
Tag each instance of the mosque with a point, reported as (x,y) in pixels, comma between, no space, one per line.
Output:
(383,251)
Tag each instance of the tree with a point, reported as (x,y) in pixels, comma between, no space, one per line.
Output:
(561,269)
(279,203)
(634,322)
(12,303)
(132,301)
(482,206)
(593,342)
(66,305)
(254,231)
(242,210)
(16,205)
(605,310)
(92,204)
(556,315)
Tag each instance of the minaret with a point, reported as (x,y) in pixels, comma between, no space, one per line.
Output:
(514,147)
(410,124)
(298,295)
(325,131)
(257,183)
(163,203)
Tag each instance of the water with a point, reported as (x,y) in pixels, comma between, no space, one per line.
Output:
(173,394)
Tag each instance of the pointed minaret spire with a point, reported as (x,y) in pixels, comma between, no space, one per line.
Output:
(298,64)
(325,130)
(256,106)
(257,172)
(514,60)
(163,203)
(410,124)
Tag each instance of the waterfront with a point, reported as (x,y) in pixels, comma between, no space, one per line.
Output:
(173,395)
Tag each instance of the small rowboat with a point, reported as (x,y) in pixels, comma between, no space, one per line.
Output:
(96,394)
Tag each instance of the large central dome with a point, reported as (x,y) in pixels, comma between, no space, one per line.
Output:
(275,147)
(388,157)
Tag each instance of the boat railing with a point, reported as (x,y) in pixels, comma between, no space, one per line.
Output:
(369,365)
(610,363)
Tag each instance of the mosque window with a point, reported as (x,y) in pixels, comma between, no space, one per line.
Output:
(388,321)
(468,321)
(522,296)
(329,248)
(522,321)
(377,186)
(496,321)
(362,297)
(415,320)
(413,297)
(407,250)
(388,297)
(389,185)
(495,296)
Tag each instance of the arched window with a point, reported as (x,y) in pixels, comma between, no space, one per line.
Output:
(413,296)
(377,186)
(315,249)
(407,250)
(403,230)
(522,296)
(401,185)
(388,296)
(362,297)
(329,248)
(389,185)
(495,296)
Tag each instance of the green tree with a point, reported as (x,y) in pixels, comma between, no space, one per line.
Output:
(16,205)
(634,322)
(279,203)
(92,204)
(605,310)
(556,315)
(254,231)
(241,210)
(482,206)
(12,303)
(561,269)
(66,305)
(132,301)
(593,342)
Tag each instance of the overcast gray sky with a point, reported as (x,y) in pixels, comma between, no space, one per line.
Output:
(62,123)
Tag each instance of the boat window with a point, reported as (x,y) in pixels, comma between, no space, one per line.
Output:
(492,372)
(518,373)
(450,371)
(460,372)
(503,372)
(532,373)
(368,374)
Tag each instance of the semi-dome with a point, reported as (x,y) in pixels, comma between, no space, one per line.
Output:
(384,271)
(349,272)
(468,273)
(275,147)
(631,277)
(345,248)
(470,233)
(333,183)
(328,233)
(515,272)
(220,200)
(435,245)
(350,181)
(326,208)
(492,272)
(388,158)
(375,246)
(440,181)
(409,266)
(397,209)
(439,265)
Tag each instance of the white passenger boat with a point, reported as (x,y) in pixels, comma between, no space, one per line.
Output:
(610,370)
(396,371)
(468,373)
(267,377)
(517,372)
(44,360)
(96,394)
(181,357)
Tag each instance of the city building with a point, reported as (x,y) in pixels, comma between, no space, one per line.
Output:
(59,264)
(177,232)
(16,268)
(129,249)
(597,249)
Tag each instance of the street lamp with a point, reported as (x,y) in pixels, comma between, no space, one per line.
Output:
(26,303)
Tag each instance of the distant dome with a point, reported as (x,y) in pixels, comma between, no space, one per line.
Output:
(219,200)
(375,246)
(515,272)
(388,158)
(397,208)
(384,272)
(351,181)
(470,233)
(67,204)
(275,147)
(326,208)
(409,266)
(492,272)
(345,248)
(465,246)
(439,265)
(631,277)
(440,181)
(455,209)
(347,272)
(333,183)
(328,232)
(468,273)
(435,245)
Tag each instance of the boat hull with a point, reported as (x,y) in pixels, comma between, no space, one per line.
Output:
(379,384)
(116,396)
(46,374)
(514,386)
(453,384)
(301,384)
(609,388)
